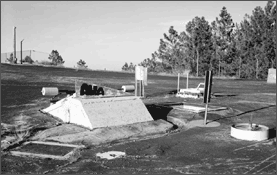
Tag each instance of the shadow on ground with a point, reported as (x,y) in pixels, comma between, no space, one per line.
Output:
(272,133)
(222,94)
(163,93)
(158,111)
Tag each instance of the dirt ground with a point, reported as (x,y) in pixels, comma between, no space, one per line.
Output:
(182,150)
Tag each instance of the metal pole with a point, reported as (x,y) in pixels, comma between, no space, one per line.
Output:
(14,42)
(140,86)
(142,82)
(208,94)
(21,49)
(206,113)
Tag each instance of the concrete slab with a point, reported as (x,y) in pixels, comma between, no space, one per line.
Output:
(200,123)
(178,121)
(39,149)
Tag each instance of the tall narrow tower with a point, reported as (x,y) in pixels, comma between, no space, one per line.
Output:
(14,42)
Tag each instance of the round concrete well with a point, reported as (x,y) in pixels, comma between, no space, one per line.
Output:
(245,131)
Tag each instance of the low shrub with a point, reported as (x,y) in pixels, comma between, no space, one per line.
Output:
(47,63)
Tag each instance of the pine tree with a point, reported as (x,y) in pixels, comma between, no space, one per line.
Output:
(81,64)
(223,29)
(56,58)
(131,67)
(198,45)
(125,67)
(170,51)
(28,59)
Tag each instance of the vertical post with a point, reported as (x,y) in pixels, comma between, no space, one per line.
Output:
(21,50)
(140,90)
(14,42)
(142,82)
(141,87)
(187,80)
(207,94)
(178,82)
(206,113)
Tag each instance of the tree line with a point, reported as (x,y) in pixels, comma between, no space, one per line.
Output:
(55,59)
(244,50)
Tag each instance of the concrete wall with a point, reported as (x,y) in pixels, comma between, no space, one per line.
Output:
(271,78)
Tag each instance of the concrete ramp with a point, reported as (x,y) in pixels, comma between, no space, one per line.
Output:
(100,112)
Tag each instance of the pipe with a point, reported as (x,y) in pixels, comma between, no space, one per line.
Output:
(128,88)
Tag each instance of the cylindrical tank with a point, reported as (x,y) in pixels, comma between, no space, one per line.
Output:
(100,91)
(50,91)
(128,88)
(94,90)
(83,90)
(89,90)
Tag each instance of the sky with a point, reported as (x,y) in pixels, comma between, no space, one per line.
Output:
(105,34)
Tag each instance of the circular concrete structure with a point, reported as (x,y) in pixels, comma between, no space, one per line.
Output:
(244,131)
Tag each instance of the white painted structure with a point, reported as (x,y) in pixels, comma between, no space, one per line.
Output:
(100,112)
(271,78)
(243,131)
(192,92)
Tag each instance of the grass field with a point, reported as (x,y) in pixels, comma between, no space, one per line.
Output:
(21,100)
(21,85)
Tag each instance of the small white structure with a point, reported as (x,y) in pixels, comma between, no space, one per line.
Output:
(192,92)
(271,78)
(100,112)
(245,131)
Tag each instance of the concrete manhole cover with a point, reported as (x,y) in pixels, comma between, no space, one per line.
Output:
(46,150)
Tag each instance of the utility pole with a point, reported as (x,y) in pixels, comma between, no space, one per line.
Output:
(14,42)
(21,49)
